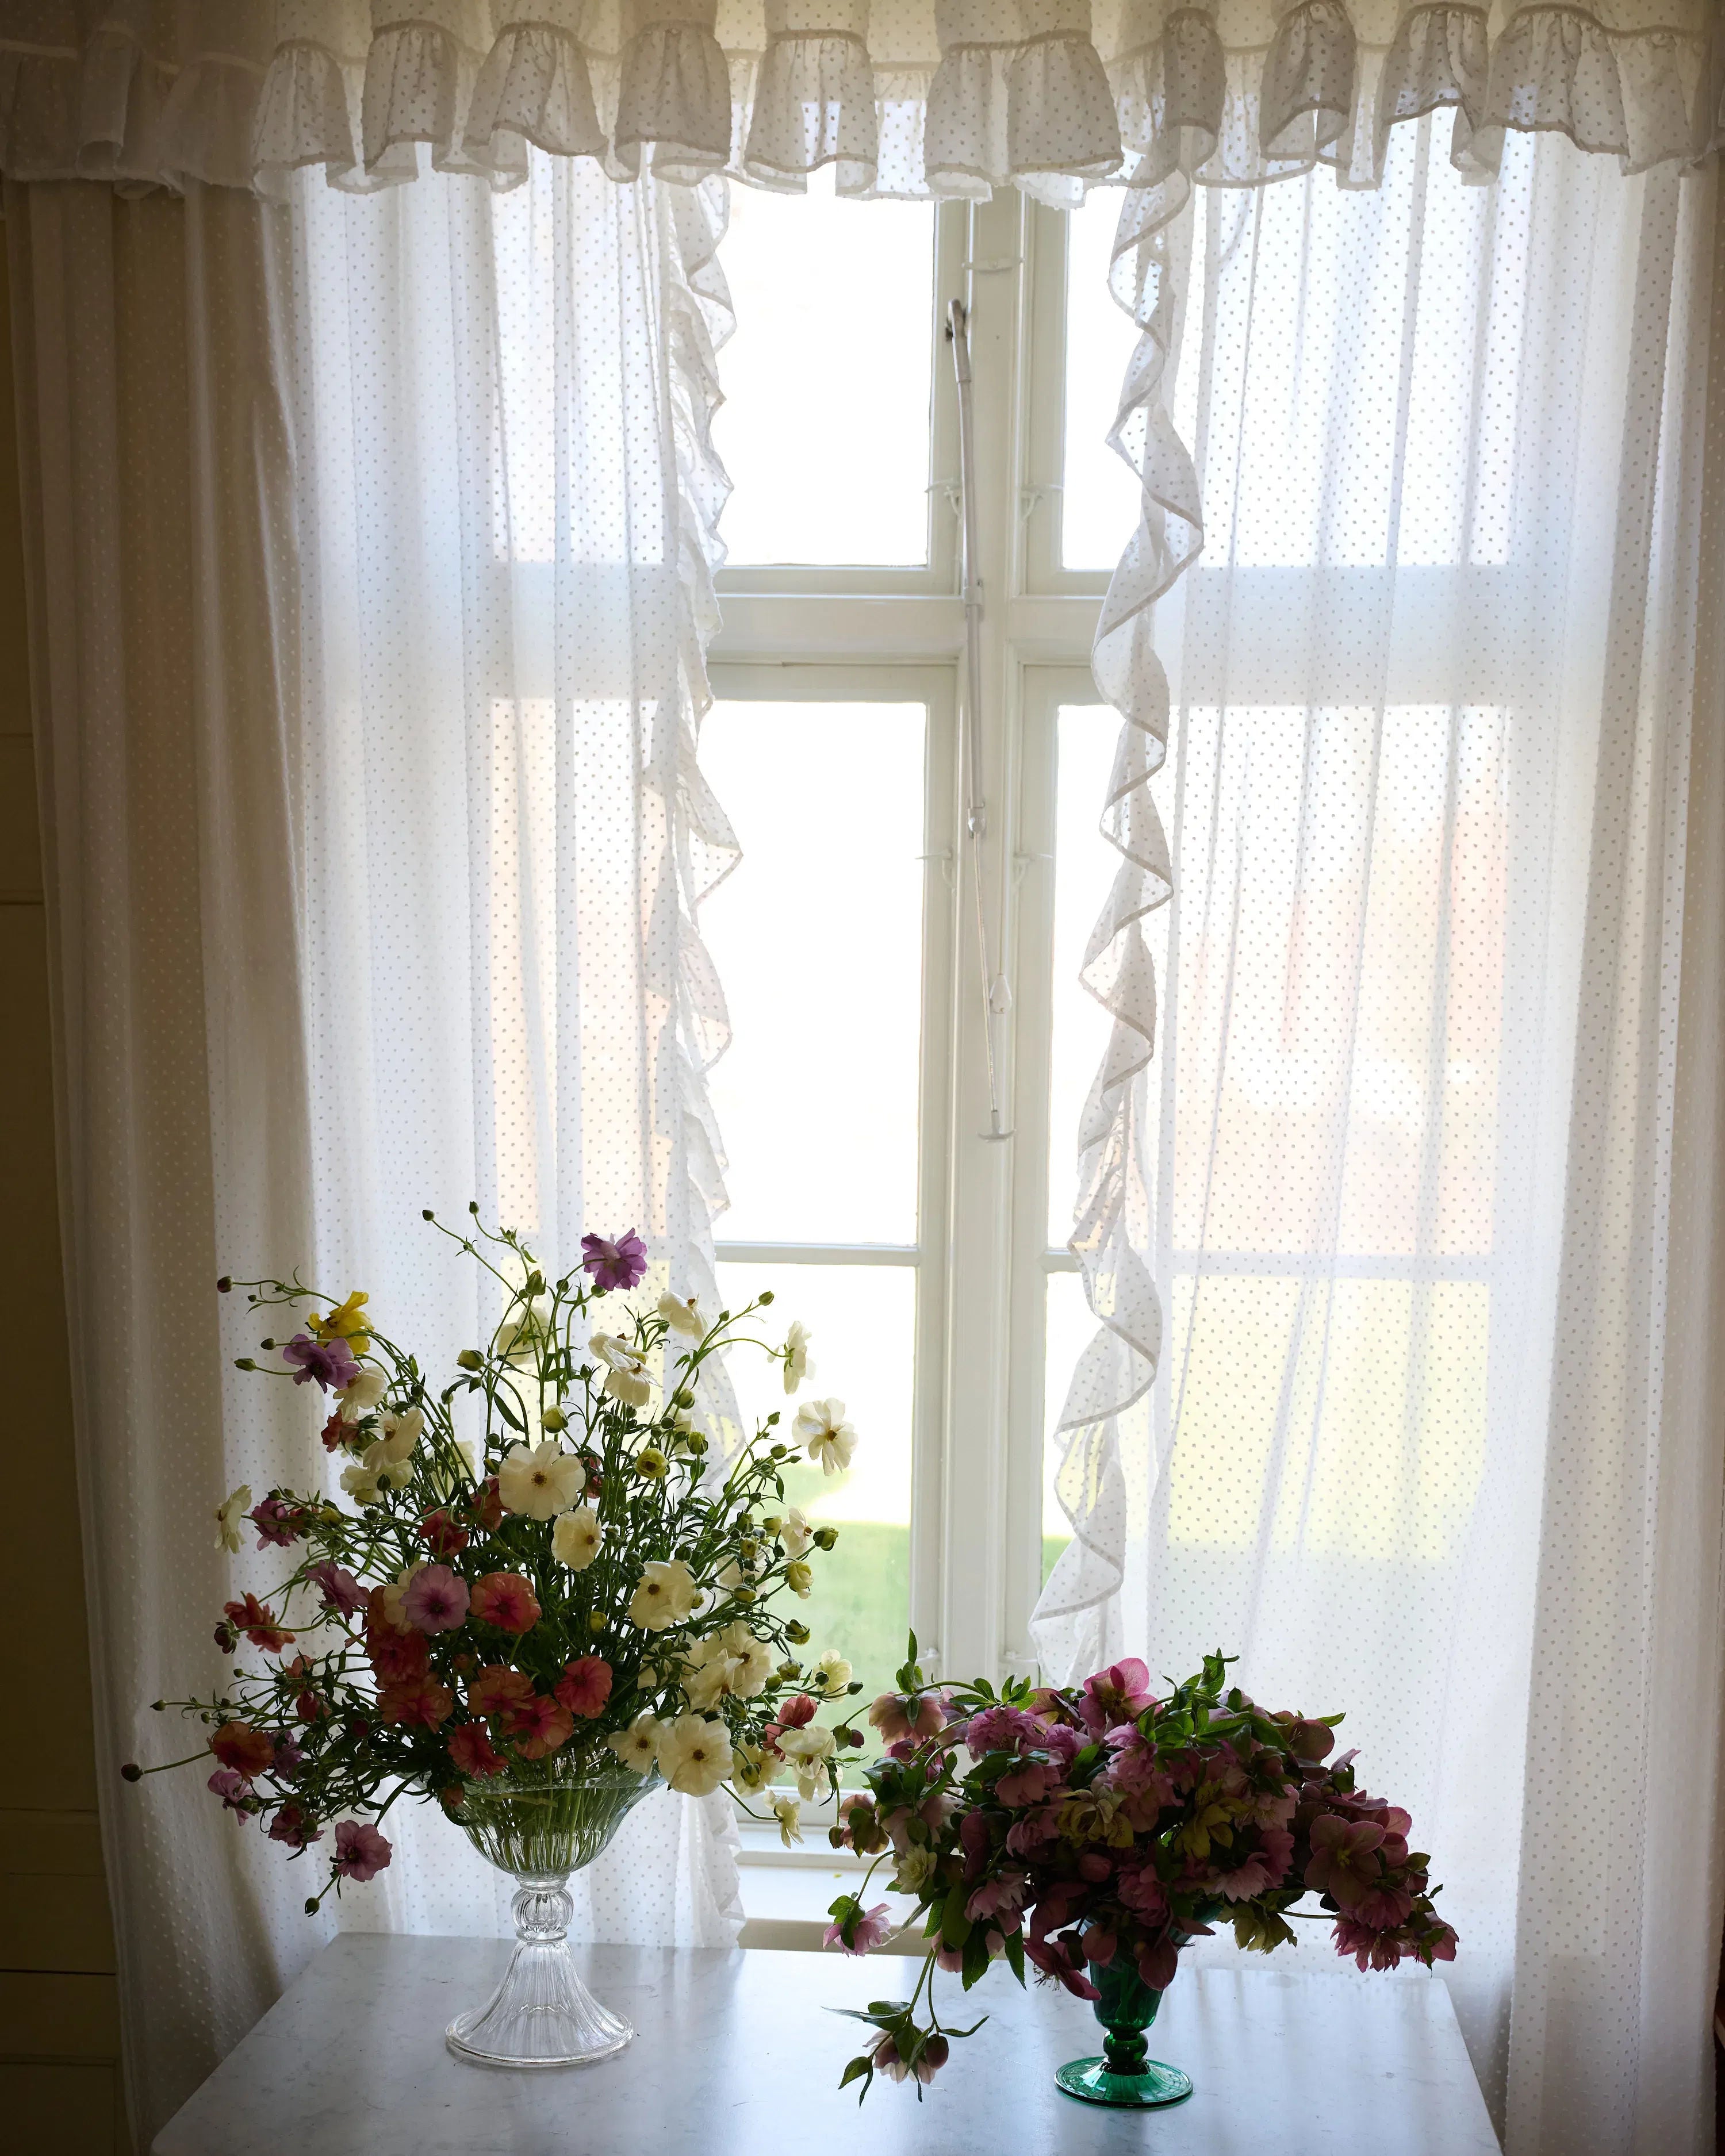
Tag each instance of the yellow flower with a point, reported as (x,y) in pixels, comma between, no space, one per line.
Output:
(346,1322)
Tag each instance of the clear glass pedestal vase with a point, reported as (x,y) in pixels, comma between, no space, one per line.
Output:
(539,1824)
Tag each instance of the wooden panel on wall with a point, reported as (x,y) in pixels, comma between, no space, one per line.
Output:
(60,2024)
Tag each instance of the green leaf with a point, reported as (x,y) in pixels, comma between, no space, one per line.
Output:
(1015,1954)
(955,1926)
(863,2066)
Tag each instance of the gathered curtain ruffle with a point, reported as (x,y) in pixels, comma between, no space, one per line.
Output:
(903,97)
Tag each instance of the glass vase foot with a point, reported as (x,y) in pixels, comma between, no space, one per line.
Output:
(541,2014)
(1153,2084)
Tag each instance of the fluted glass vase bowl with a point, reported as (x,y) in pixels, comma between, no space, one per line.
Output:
(539,1823)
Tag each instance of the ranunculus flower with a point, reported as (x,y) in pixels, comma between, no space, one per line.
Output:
(626,1378)
(682,1316)
(276,1523)
(246,1750)
(505,1600)
(415,1703)
(614,1266)
(436,1600)
(797,1367)
(231,1787)
(328,1363)
(637,1745)
(576,1536)
(257,1620)
(392,1654)
(488,1505)
(360,1395)
(666,1595)
(540,1481)
(362,1483)
(292,1825)
(489,1691)
(440,1534)
(346,1321)
(585,1685)
(820,1424)
(732,1663)
(694,1754)
(538,1726)
(229,1515)
(341,1590)
(796,1534)
(472,1751)
(361,1852)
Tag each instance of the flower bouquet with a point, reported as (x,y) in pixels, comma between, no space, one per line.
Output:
(532,1623)
(1093,1833)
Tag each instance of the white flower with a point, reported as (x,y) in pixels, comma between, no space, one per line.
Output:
(832,1672)
(785,1812)
(797,1367)
(464,1445)
(637,1745)
(732,1663)
(540,1481)
(796,1535)
(518,1338)
(915,1867)
(395,1594)
(389,1474)
(694,1754)
(401,1434)
(232,1510)
(682,1316)
(625,1373)
(363,1395)
(806,1752)
(361,1483)
(666,1595)
(753,1768)
(575,1539)
(820,1424)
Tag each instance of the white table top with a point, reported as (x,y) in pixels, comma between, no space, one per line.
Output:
(734,2056)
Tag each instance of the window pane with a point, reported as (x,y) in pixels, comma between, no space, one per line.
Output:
(1099,505)
(862,1321)
(817,935)
(825,428)
(1085,864)
(1069,1325)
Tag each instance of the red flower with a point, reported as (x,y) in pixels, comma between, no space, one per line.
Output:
(257,1623)
(538,1725)
(487,1507)
(335,1432)
(246,1750)
(394,1656)
(292,1825)
(496,1688)
(441,1535)
(505,1600)
(472,1750)
(417,1703)
(585,1685)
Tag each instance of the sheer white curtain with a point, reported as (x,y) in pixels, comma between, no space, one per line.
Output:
(506,502)
(1402,1167)
(368,575)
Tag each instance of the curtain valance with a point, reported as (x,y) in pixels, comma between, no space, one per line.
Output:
(905,97)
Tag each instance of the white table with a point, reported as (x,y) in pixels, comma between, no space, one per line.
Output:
(734,2056)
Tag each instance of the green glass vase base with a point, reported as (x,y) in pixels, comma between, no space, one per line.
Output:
(1152,2084)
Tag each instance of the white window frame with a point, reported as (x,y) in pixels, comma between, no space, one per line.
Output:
(856,634)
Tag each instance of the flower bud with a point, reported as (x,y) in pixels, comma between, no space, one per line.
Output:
(555,1419)
(825,1537)
(596,1623)
(797,1633)
(765,1297)
(225,1285)
(471,1358)
(131,1772)
(243,1362)
(427,1215)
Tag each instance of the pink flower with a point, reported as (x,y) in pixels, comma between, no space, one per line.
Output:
(292,1825)
(618,1265)
(1139,1890)
(328,1362)
(342,1591)
(1028,1784)
(275,1522)
(934,2052)
(505,1600)
(1159,1959)
(257,1620)
(585,1685)
(1002,1897)
(473,1751)
(917,1714)
(1120,1693)
(361,1852)
(538,1725)
(436,1600)
(1265,1867)
(796,1712)
(1062,1962)
(867,1931)
(1344,1857)
(1373,1949)
(1003,1729)
(289,1758)
(233,1788)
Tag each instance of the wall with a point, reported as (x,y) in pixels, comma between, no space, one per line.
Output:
(59,2040)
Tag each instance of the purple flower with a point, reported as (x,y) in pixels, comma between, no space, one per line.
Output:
(275,1522)
(866,1933)
(436,1600)
(341,1589)
(618,1265)
(231,1788)
(289,1758)
(361,1852)
(330,1361)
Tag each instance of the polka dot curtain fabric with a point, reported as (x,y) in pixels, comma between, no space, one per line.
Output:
(905,97)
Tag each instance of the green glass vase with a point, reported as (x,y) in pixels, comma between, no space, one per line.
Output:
(1125,2074)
